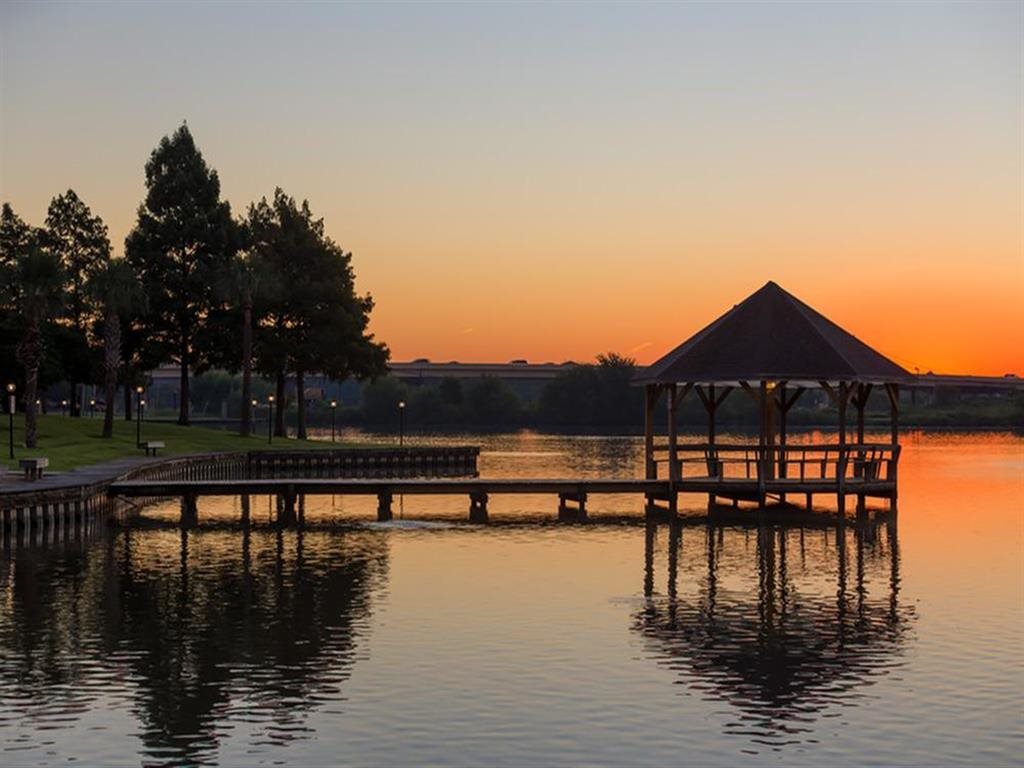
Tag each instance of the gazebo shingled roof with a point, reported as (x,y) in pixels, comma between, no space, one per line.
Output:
(772,335)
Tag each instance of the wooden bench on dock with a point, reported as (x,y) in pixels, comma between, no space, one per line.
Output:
(151,446)
(34,467)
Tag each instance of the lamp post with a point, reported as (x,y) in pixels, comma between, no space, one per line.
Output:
(138,416)
(334,412)
(255,413)
(63,407)
(270,419)
(10,416)
(92,408)
(401,423)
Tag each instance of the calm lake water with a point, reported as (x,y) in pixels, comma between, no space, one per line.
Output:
(431,642)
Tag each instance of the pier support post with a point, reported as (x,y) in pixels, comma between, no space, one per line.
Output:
(286,507)
(661,506)
(384,507)
(189,511)
(478,507)
(572,507)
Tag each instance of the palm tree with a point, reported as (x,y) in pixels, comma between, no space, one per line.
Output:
(40,283)
(116,288)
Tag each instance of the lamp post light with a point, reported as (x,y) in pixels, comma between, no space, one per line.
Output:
(401,423)
(334,413)
(139,402)
(92,408)
(255,412)
(63,407)
(270,419)
(10,416)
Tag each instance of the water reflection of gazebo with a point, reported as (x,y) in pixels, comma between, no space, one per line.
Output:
(773,348)
(794,649)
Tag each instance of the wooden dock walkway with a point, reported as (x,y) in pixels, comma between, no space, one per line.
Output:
(573,493)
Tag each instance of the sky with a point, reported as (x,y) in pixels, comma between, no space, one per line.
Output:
(554,181)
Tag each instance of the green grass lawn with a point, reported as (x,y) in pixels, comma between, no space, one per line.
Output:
(70,443)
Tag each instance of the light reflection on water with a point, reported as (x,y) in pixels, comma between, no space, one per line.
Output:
(611,644)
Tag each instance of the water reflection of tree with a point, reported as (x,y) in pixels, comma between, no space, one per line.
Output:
(251,628)
(786,654)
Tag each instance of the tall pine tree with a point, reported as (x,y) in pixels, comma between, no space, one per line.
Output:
(80,241)
(181,246)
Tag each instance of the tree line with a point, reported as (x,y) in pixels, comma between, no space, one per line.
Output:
(267,293)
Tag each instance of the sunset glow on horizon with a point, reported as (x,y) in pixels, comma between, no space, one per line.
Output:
(554,182)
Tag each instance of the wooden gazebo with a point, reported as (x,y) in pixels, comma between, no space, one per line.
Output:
(773,347)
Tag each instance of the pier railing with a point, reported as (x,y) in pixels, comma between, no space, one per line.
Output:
(412,462)
(868,462)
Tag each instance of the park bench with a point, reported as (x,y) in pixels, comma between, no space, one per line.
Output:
(34,467)
(151,446)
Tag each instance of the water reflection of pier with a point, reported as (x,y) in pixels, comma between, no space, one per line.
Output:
(822,620)
(199,632)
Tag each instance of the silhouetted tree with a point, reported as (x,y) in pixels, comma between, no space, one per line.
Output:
(15,236)
(450,392)
(600,394)
(491,402)
(116,290)
(40,282)
(181,245)
(310,316)
(230,326)
(80,241)
(381,398)
(246,281)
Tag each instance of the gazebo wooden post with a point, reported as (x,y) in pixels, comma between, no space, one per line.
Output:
(764,460)
(711,457)
(778,400)
(711,401)
(713,466)
(711,406)
(860,400)
(894,426)
(841,463)
(651,392)
(673,434)
(785,403)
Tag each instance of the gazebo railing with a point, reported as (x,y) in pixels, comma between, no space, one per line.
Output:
(867,462)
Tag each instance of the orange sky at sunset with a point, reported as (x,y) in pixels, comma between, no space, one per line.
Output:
(551,182)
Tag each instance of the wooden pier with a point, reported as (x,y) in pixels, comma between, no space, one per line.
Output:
(734,473)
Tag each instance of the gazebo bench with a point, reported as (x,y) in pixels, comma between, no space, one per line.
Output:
(151,446)
(34,467)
